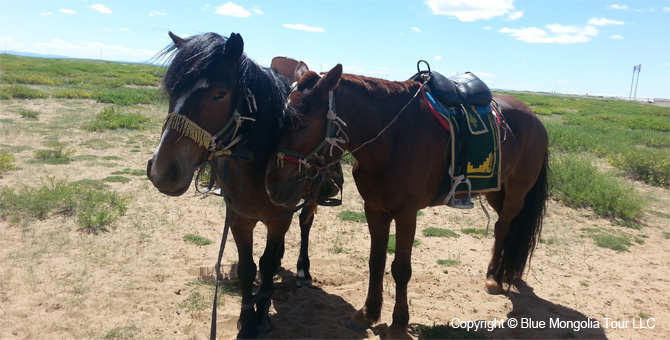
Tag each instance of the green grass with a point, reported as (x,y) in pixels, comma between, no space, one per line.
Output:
(629,135)
(617,241)
(116,179)
(111,118)
(128,171)
(57,154)
(106,82)
(6,162)
(439,232)
(578,183)
(666,235)
(392,244)
(474,231)
(449,262)
(352,216)
(121,333)
(20,92)
(93,204)
(628,224)
(197,240)
(29,114)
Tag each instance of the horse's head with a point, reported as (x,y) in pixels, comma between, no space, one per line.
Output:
(202,83)
(305,149)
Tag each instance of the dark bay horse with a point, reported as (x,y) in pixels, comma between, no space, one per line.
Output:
(402,156)
(226,110)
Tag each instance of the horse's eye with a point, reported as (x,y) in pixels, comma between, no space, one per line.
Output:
(219,95)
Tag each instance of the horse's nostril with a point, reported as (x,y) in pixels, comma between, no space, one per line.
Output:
(150,164)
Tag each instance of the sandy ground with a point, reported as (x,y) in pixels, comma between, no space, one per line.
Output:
(141,280)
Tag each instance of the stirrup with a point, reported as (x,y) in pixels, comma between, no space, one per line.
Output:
(457,203)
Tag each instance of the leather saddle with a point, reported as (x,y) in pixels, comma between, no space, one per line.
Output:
(466,88)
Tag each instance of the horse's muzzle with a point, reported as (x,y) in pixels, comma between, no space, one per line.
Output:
(169,178)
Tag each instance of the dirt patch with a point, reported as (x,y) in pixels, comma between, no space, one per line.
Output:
(141,280)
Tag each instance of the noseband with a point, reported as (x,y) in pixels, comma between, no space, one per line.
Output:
(219,143)
(331,140)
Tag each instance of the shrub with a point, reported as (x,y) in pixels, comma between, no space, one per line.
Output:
(6,162)
(111,119)
(575,181)
(58,154)
(94,205)
(651,166)
(20,92)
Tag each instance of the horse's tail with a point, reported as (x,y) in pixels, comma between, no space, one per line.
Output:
(525,229)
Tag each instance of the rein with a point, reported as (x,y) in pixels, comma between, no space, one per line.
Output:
(335,140)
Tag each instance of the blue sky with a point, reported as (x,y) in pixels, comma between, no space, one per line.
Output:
(576,47)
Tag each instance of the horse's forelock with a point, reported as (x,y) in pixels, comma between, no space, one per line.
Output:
(192,61)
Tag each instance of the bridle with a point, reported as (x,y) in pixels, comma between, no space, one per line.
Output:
(333,140)
(316,158)
(221,142)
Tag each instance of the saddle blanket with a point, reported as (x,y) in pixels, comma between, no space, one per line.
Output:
(474,130)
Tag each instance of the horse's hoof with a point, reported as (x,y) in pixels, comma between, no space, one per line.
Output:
(357,322)
(304,283)
(396,333)
(493,288)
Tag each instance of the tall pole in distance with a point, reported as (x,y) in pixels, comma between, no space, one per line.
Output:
(639,68)
(630,95)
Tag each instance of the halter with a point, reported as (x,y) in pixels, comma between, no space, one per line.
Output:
(332,138)
(220,142)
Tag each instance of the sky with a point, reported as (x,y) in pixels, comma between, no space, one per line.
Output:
(564,46)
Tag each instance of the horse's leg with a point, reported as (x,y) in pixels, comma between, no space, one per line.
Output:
(496,200)
(242,229)
(401,269)
(269,264)
(378,225)
(507,203)
(306,220)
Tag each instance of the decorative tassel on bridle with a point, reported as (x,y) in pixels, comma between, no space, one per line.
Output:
(188,128)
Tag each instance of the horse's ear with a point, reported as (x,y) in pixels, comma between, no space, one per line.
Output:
(331,79)
(300,70)
(234,47)
(178,42)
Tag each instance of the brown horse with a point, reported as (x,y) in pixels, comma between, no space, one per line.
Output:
(225,110)
(401,159)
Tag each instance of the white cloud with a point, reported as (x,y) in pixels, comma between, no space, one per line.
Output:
(257,10)
(125,29)
(438,57)
(101,8)
(616,37)
(471,10)
(67,11)
(416,29)
(232,10)
(515,16)
(604,22)
(303,27)
(666,9)
(618,7)
(555,33)
(156,13)
(46,14)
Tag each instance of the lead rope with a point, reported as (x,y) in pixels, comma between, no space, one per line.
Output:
(226,227)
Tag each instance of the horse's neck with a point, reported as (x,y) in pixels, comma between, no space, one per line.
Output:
(260,139)
(372,124)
